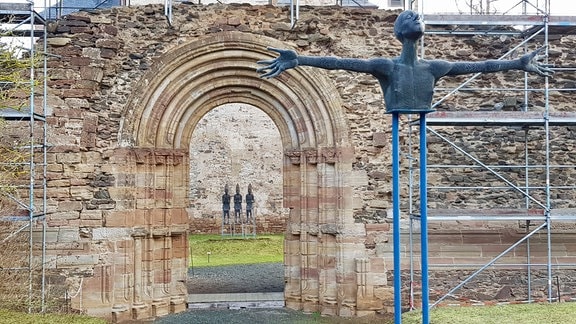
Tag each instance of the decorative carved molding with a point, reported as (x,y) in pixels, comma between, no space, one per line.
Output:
(151,156)
(294,156)
(325,155)
(330,154)
(311,156)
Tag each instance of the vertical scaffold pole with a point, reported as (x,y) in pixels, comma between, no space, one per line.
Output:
(396,217)
(424,218)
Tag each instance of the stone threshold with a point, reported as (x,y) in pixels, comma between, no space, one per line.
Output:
(236,300)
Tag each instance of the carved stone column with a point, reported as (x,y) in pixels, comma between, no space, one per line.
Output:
(292,255)
(139,309)
(309,231)
(323,258)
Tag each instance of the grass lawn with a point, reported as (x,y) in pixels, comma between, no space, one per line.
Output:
(24,318)
(555,313)
(215,250)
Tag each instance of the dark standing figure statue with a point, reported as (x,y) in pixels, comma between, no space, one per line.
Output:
(249,203)
(237,205)
(226,206)
(407,82)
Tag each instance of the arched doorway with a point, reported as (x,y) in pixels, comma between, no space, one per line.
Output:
(188,82)
(236,144)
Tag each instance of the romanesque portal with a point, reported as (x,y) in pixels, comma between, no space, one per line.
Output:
(322,248)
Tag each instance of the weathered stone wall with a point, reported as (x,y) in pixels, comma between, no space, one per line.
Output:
(118,202)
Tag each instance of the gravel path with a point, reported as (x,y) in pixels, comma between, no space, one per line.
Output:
(266,277)
(238,316)
(247,279)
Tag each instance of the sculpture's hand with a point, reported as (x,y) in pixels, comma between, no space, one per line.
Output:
(533,63)
(288,59)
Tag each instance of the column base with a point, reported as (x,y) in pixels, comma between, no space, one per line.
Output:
(178,304)
(120,314)
(140,312)
(160,307)
(329,307)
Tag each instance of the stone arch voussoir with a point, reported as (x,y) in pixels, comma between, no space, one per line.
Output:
(189,81)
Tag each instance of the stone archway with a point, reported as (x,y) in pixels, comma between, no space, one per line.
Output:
(305,106)
(192,79)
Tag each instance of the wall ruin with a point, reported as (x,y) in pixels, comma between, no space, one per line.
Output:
(125,98)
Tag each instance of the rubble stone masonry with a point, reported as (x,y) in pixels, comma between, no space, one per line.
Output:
(127,89)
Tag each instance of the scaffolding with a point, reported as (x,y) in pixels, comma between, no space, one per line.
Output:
(532,183)
(27,215)
(29,198)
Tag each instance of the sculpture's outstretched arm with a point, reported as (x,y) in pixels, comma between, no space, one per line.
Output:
(289,59)
(530,63)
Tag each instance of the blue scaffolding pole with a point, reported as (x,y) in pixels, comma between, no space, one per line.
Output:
(396,218)
(424,219)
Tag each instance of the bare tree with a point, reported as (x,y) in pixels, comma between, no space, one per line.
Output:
(476,7)
(15,88)
(16,85)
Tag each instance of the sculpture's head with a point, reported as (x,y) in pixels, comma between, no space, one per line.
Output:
(408,25)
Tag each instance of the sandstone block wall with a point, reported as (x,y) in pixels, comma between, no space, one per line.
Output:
(119,200)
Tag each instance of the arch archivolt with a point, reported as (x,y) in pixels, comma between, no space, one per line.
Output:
(199,76)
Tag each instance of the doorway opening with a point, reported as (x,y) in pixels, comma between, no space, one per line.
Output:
(235,146)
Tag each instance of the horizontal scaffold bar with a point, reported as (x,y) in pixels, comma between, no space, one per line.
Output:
(499,214)
(487,20)
(499,118)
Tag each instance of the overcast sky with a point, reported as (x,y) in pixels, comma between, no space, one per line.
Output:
(557,7)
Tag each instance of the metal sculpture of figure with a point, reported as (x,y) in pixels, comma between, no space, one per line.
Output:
(407,82)
(249,204)
(408,86)
(237,205)
(226,206)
